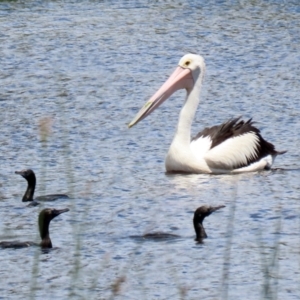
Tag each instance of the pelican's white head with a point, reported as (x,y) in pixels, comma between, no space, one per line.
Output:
(193,62)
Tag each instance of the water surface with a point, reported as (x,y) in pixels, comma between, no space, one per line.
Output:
(86,68)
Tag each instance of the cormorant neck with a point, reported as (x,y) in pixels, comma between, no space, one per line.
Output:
(44,233)
(28,196)
(199,229)
(46,242)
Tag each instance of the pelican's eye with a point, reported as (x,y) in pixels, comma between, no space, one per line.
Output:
(187,63)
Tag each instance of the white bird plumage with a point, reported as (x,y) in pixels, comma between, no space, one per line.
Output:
(233,147)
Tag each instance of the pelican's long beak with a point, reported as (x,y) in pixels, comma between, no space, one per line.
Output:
(181,78)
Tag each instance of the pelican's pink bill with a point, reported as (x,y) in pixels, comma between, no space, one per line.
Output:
(181,78)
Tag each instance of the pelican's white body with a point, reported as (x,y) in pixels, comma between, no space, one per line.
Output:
(197,157)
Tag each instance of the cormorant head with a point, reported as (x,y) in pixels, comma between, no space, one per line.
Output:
(200,214)
(28,174)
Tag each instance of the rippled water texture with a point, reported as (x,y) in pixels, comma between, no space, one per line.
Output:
(73,75)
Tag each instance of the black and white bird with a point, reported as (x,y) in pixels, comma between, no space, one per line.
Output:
(235,146)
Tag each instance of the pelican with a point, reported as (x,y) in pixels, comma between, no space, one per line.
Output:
(235,146)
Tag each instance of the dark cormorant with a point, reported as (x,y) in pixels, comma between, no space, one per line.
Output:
(45,217)
(28,196)
(199,215)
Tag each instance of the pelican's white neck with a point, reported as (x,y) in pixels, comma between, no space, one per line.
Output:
(187,113)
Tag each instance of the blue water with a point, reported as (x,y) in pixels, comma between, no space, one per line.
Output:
(84,69)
